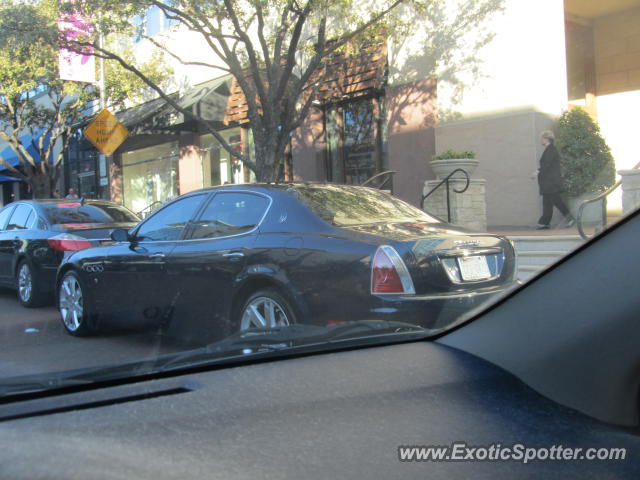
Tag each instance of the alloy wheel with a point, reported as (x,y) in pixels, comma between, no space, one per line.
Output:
(71,303)
(263,312)
(25,283)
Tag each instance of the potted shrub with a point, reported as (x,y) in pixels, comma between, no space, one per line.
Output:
(585,160)
(446,162)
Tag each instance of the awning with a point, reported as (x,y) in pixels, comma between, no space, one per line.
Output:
(12,158)
(134,116)
(208,101)
(4,178)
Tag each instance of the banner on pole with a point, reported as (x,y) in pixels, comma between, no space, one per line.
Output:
(76,66)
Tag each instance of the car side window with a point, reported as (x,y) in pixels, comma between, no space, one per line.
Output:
(229,214)
(20,218)
(5,213)
(168,223)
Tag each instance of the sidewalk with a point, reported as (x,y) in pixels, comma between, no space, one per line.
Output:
(532,231)
(537,249)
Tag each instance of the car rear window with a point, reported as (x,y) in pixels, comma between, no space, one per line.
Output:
(75,212)
(344,205)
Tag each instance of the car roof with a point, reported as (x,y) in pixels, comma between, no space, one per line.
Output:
(280,187)
(58,201)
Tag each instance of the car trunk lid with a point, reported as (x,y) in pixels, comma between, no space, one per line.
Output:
(445,259)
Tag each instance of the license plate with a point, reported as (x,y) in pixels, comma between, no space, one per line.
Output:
(474,268)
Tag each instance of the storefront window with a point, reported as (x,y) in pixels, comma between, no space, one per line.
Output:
(218,165)
(150,175)
(81,169)
(353,141)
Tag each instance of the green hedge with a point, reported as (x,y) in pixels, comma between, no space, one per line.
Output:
(449,154)
(586,160)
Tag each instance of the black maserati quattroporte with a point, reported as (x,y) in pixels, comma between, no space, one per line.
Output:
(235,257)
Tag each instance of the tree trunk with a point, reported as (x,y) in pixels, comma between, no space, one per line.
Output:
(42,185)
(269,159)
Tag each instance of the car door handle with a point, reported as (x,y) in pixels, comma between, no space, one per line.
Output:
(233,255)
(157,256)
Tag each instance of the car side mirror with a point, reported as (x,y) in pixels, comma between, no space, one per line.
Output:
(120,235)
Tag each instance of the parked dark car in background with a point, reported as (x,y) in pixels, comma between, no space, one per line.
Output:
(226,259)
(35,234)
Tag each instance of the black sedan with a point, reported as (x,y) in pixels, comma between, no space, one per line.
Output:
(35,234)
(231,258)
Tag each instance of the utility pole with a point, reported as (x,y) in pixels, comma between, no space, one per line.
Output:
(101,80)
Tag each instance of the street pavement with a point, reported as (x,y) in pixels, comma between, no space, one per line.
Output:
(33,340)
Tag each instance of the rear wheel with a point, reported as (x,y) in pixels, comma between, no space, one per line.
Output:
(72,305)
(29,294)
(265,308)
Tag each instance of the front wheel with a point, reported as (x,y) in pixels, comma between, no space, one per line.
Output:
(265,308)
(72,305)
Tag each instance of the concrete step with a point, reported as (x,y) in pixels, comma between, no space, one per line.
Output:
(526,272)
(536,252)
(563,243)
(539,258)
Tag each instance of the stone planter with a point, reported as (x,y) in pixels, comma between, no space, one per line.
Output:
(630,190)
(468,209)
(592,213)
(444,167)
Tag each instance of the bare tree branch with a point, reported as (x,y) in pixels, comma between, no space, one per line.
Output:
(179,59)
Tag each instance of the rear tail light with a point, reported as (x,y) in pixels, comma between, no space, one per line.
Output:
(66,242)
(331,323)
(389,274)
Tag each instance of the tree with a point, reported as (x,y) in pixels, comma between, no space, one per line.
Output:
(39,112)
(585,158)
(277,51)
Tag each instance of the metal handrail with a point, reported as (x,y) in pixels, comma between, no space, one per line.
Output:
(390,174)
(446,180)
(148,208)
(603,197)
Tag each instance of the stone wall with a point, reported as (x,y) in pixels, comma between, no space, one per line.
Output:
(508,148)
(630,190)
(616,41)
(468,209)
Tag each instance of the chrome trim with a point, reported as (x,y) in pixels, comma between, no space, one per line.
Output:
(401,268)
(492,290)
(233,255)
(33,210)
(476,253)
(248,232)
(93,268)
(466,252)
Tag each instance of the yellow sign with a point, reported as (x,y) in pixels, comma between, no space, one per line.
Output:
(106,132)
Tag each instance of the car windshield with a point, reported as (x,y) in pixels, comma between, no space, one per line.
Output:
(306,176)
(75,212)
(344,205)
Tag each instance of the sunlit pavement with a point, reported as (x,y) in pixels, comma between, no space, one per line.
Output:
(34,341)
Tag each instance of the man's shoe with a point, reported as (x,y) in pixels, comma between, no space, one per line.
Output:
(542,227)
(570,222)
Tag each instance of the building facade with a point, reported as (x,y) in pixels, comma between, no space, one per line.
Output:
(384,113)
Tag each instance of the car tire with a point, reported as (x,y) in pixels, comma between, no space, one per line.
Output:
(265,308)
(28,286)
(73,306)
